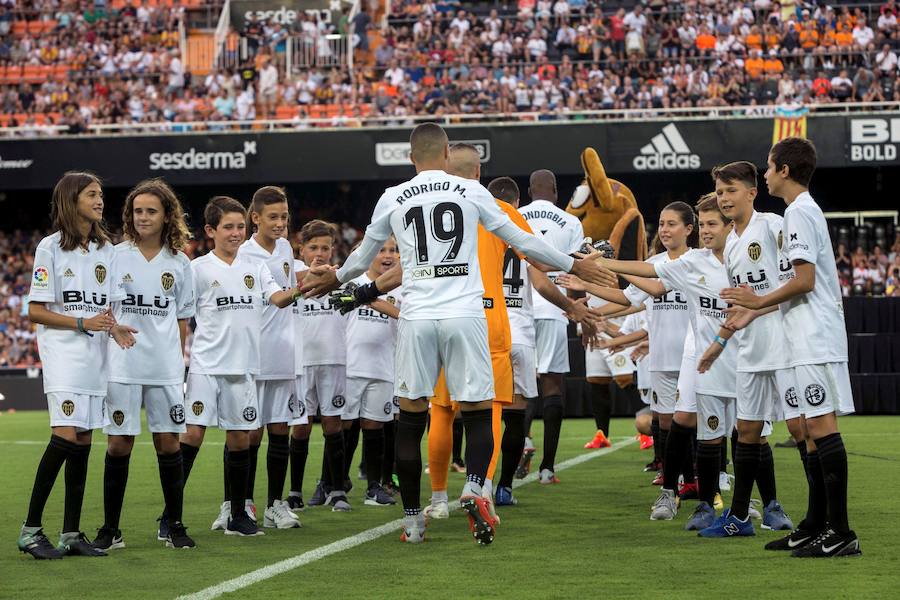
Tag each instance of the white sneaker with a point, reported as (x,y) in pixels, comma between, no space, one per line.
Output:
(529,445)
(437,510)
(664,508)
(280,516)
(250,509)
(547,477)
(490,503)
(221,521)
(337,500)
(725,481)
(753,509)
(413,529)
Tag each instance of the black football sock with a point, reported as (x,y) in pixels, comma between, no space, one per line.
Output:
(689,456)
(531,405)
(511,445)
(55,455)
(746,464)
(171,477)
(479,444)
(334,451)
(708,471)
(676,446)
(833,458)
(723,458)
(387,463)
(277,457)
(373,454)
(76,477)
(251,473)
(663,444)
(657,444)
(226,476)
(801,449)
(115,478)
(458,441)
(325,475)
(238,476)
(299,454)
(409,430)
(188,456)
(734,442)
(601,404)
(817,507)
(765,476)
(553,416)
(351,441)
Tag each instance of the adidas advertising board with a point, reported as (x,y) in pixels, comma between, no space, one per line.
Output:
(667,151)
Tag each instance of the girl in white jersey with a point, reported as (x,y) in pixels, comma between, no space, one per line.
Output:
(72,287)
(159,302)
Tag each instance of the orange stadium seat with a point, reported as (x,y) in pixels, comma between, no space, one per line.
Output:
(61,72)
(35,27)
(5,118)
(285,112)
(20,28)
(32,74)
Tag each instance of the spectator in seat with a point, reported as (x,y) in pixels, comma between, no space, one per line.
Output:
(886,61)
(842,87)
(864,88)
(892,285)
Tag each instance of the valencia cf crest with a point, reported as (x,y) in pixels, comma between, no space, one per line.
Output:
(249,281)
(619,361)
(100,273)
(712,422)
(118,418)
(780,240)
(68,407)
(197,408)
(249,414)
(388,407)
(176,413)
(790,397)
(167,280)
(814,394)
(338,401)
(754,251)
(287,269)
(392,300)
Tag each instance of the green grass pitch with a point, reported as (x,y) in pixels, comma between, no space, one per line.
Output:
(590,536)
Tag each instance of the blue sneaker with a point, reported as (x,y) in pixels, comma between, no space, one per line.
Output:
(774,518)
(702,517)
(728,526)
(504,497)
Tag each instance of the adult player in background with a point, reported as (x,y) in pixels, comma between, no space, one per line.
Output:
(434,218)
(812,308)
(564,232)
(231,294)
(155,275)
(72,288)
(275,384)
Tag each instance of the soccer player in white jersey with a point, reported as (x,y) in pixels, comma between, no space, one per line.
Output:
(231,293)
(434,218)
(72,288)
(324,371)
(751,257)
(155,276)
(276,383)
(371,338)
(299,438)
(812,309)
(565,233)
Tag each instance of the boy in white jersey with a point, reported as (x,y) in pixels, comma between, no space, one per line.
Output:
(813,312)
(299,439)
(231,294)
(434,218)
(155,276)
(72,287)
(371,337)
(324,371)
(564,232)
(276,383)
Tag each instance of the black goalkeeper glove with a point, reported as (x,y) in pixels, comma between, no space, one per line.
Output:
(602,246)
(352,296)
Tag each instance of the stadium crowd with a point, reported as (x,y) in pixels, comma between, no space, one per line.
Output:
(75,62)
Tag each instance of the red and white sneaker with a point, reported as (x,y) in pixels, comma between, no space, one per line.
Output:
(413,529)
(481,523)
(658,480)
(646,441)
(600,441)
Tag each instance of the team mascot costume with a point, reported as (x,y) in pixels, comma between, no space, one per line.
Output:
(607,211)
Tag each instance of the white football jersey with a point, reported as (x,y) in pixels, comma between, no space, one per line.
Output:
(700,276)
(815,320)
(519,304)
(434,217)
(76,283)
(752,259)
(231,300)
(323,332)
(371,339)
(277,351)
(562,231)
(158,292)
(668,319)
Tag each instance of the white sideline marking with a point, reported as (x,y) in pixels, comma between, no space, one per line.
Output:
(253,577)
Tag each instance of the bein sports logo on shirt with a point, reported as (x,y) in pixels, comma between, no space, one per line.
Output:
(41,279)
(396,154)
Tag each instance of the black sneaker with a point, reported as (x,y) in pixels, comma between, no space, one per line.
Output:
(798,538)
(295,503)
(33,541)
(162,532)
(108,539)
(178,537)
(524,465)
(77,544)
(376,496)
(243,526)
(830,544)
(653,465)
(318,497)
(348,485)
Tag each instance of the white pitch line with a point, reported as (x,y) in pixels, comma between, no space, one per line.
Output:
(264,573)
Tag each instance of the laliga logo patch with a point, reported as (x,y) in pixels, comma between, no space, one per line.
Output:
(249,414)
(754,251)
(619,361)
(338,401)
(68,407)
(287,269)
(388,407)
(712,422)
(197,408)
(249,281)
(176,413)
(118,418)
(814,394)
(790,397)
(100,273)
(41,279)
(167,280)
